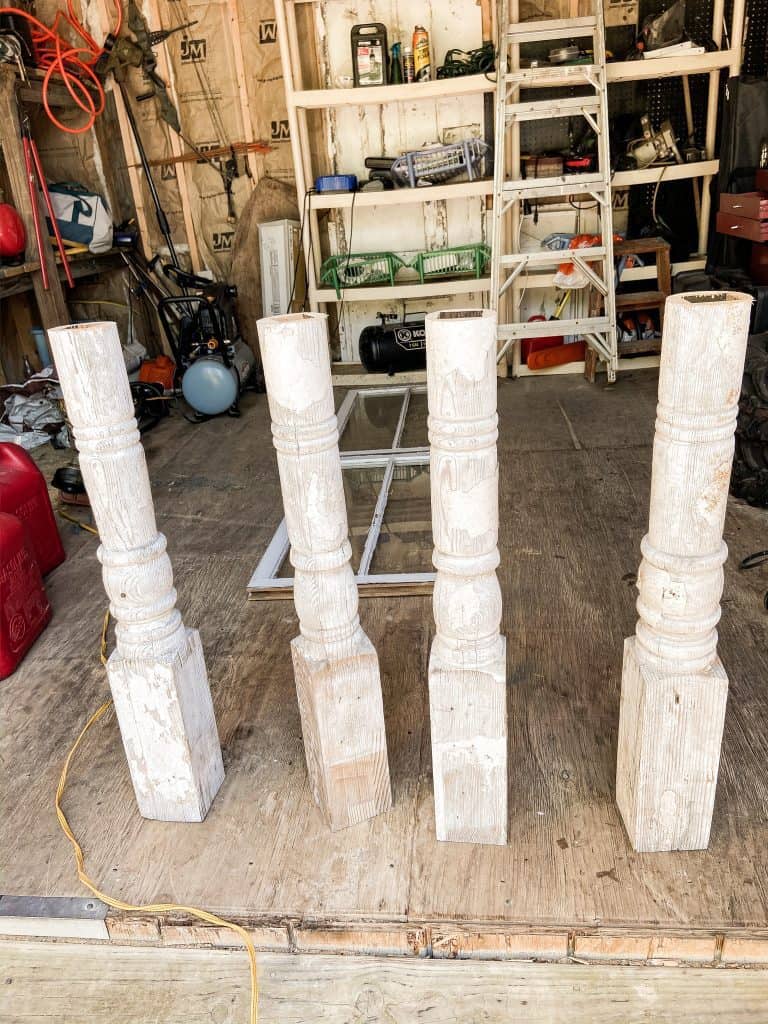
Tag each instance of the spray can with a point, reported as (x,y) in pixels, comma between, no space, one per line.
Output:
(421,61)
(409,69)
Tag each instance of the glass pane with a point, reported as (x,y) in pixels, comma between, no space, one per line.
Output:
(415,432)
(361,491)
(405,541)
(371,425)
(286,569)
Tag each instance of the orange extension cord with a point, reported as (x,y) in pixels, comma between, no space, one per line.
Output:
(72,63)
(146,908)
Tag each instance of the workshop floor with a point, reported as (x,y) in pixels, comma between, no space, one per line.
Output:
(575,467)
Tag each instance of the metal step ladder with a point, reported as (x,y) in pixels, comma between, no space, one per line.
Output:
(509,265)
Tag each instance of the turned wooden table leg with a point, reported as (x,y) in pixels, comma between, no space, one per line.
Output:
(157,671)
(335,664)
(467,666)
(674,687)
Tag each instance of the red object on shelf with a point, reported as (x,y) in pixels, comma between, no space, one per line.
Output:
(13,237)
(528,345)
(24,494)
(24,608)
(160,370)
(558,355)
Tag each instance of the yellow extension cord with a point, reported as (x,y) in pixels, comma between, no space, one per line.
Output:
(148,908)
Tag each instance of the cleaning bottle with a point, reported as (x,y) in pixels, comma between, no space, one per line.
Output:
(396,65)
(421,61)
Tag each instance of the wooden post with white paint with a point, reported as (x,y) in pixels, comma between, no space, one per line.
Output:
(335,664)
(157,671)
(467,665)
(674,687)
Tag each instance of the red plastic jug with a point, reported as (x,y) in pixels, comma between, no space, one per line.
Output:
(23,493)
(24,608)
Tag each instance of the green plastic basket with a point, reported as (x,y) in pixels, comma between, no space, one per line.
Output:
(357,270)
(459,259)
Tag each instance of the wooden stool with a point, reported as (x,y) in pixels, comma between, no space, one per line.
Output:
(636,301)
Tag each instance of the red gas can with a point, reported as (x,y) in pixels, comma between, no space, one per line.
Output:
(23,493)
(24,608)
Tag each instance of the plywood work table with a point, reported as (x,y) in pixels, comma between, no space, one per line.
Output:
(568,883)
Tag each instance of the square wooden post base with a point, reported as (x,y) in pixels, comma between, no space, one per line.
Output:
(468,717)
(342,721)
(169,731)
(670,731)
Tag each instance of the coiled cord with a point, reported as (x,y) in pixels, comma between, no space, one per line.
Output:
(73,64)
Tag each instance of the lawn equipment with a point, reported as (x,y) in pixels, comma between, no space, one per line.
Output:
(213,363)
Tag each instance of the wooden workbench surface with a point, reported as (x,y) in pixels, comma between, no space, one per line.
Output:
(575,467)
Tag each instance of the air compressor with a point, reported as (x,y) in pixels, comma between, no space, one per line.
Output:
(389,347)
(212,360)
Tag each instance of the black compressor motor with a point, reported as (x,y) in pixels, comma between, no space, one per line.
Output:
(393,347)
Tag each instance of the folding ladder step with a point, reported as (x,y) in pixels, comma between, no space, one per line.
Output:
(552,257)
(561,185)
(567,74)
(537,110)
(543,31)
(557,328)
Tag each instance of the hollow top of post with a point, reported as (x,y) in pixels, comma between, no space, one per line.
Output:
(292,318)
(707,299)
(443,315)
(83,328)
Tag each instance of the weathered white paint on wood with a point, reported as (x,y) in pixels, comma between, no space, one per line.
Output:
(157,671)
(467,666)
(674,687)
(335,664)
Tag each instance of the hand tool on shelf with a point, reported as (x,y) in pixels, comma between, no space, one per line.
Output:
(34,169)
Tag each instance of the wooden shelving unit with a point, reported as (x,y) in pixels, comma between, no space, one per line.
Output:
(319,99)
(445,286)
(301,100)
(678,66)
(669,67)
(710,63)
(51,304)
(405,196)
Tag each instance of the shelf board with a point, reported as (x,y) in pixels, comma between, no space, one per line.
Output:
(637,363)
(554,76)
(400,196)
(444,286)
(666,172)
(444,88)
(16,279)
(667,67)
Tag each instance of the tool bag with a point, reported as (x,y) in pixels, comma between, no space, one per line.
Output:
(83,216)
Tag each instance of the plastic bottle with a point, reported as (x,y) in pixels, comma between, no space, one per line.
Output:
(409,69)
(396,65)
(421,61)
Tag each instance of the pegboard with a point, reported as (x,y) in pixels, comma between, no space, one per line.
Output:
(756,49)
